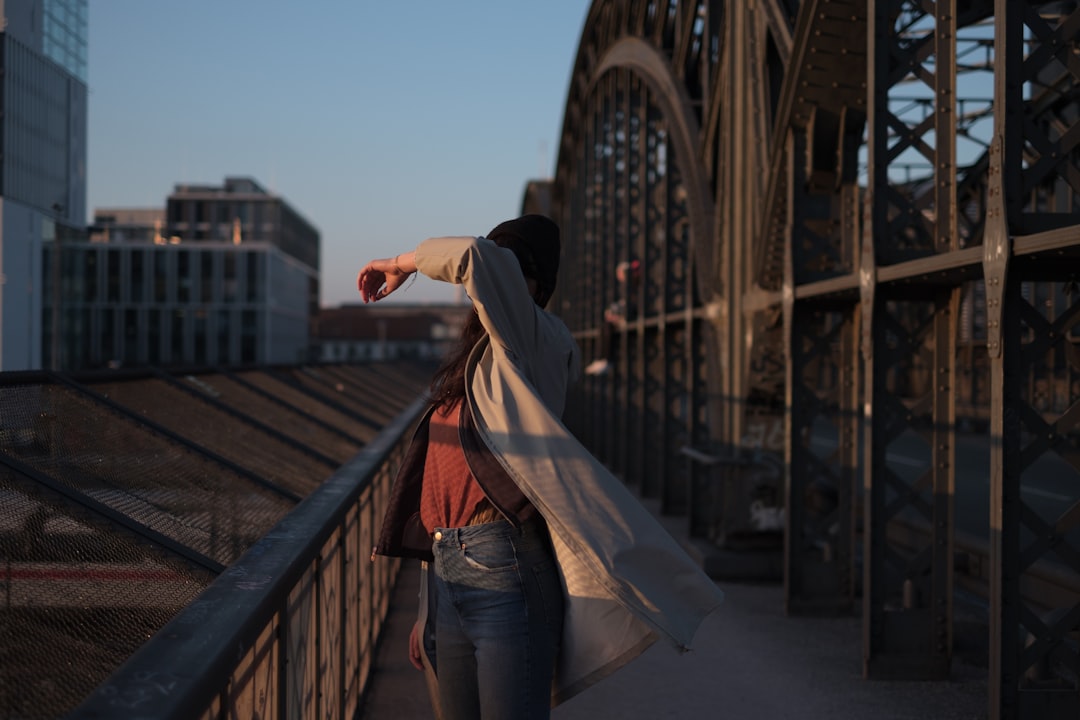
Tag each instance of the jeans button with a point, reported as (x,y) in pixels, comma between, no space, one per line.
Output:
(438,534)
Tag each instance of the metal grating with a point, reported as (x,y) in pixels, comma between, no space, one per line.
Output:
(374,393)
(240,438)
(77,596)
(159,482)
(124,494)
(305,428)
(358,404)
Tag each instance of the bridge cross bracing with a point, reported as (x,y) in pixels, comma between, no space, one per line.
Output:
(858,232)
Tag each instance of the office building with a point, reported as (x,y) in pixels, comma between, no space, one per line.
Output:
(242,210)
(142,290)
(43,120)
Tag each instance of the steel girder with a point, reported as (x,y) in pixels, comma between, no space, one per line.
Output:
(908,330)
(1033,202)
(817,128)
(838,273)
(630,154)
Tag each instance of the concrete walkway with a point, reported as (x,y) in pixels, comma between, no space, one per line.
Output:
(750,661)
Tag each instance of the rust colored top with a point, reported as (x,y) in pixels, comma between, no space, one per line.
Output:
(449,494)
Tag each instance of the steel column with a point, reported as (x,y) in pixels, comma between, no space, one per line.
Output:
(1034,183)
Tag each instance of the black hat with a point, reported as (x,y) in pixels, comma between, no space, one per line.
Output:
(534,239)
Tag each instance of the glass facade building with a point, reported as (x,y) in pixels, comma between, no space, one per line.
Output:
(241,210)
(219,276)
(43,121)
(203,304)
(64,35)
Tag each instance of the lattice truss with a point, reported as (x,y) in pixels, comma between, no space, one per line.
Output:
(628,201)
(904,431)
(928,151)
(1048,414)
(1051,136)
(824,436)
(922,55)
(1040,489)
(842,190)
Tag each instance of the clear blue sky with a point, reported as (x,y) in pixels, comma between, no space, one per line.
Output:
(382,123)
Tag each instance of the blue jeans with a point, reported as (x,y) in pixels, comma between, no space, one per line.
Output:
(498,621)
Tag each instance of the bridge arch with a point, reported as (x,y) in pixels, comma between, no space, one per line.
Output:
(858,223)
(663,158)
(637,190)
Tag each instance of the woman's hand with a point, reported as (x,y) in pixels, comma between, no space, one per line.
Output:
(379,278)
(414,648)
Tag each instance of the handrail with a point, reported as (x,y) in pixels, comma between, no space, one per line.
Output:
(291,625)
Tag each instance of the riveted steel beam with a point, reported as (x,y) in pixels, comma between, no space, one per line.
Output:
(827,70)
(643,195)
(753,118)
(1030,268)
(908,340)
(821,398)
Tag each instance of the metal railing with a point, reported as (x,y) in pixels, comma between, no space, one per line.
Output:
(290,629)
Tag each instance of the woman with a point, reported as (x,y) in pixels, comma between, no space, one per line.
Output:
(540,560)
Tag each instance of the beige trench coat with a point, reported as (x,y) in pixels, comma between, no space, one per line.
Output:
(625,579)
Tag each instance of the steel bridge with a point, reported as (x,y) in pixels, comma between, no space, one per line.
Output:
(829,252)
(856,225)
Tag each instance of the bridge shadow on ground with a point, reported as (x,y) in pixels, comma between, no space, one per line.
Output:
(750,660)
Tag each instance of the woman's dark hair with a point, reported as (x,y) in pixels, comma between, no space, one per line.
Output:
(535,242)
(448,385)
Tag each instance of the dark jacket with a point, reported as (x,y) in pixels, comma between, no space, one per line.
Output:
(403,534)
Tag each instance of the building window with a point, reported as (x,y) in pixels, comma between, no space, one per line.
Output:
(161,277)
(137,276)
(90,277)
(223,337)
(153,337)
(201,338)
(248,337)
(75,338)
(206,278)
(131,336)
(113,277)
(229,285)
(107,349)
(177,351)
(183,277)
(254,281)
